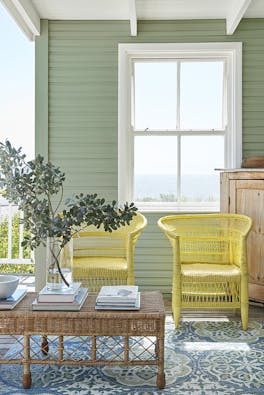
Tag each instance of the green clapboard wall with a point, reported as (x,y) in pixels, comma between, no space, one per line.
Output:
(77,108)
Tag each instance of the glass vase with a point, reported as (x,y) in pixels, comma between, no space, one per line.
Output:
(58,277)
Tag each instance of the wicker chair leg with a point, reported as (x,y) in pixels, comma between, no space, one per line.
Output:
(244,301)
(244,315)
(176,315)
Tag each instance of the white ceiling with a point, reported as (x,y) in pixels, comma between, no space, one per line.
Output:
(145,9)
(27,13)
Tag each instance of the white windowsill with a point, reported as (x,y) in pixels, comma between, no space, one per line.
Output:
(181,208)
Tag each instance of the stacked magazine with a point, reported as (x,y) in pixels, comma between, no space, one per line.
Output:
(13,300)
(68,299)
(118,297)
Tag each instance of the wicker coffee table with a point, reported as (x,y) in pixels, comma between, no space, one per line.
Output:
(97,337)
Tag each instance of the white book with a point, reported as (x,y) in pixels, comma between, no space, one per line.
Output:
(115,293)
(63,306)
(116,302)
(13,300)
(67,294)
(120,307)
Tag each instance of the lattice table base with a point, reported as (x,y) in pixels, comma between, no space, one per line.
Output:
(88,337)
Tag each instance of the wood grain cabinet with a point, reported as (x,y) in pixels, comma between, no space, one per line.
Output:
(242,192)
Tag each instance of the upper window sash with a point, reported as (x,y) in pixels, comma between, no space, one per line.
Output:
(179,62)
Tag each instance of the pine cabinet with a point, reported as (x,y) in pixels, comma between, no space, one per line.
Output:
(242,192)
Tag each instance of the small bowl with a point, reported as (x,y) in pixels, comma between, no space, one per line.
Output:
(8,285)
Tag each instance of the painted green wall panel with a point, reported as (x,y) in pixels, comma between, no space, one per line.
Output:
(83,109)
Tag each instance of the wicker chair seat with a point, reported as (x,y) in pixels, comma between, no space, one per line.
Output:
(100,267)
(203,272)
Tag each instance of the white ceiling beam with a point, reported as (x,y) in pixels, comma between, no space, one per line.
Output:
(235,15)
(25,15)
(133,17)
(29,14)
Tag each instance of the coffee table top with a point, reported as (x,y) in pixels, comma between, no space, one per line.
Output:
(151,304)
(148,321)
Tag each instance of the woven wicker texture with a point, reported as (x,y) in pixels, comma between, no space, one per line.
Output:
(108,337)
(209,261)
(101,258)
(87,321)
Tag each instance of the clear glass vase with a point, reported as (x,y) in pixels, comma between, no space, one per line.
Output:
(58,277)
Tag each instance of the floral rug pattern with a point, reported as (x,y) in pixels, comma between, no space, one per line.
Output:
(201,358)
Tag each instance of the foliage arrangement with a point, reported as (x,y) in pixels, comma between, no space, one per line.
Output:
(33,185)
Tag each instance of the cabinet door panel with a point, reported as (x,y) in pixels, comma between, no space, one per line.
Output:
(249,200)
(255,257)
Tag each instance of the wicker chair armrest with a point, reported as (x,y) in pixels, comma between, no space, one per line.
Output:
(133,236)
(240,259)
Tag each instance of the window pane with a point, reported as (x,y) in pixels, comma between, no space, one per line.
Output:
(200,156)
(201,95)
(155,95)
(155,167)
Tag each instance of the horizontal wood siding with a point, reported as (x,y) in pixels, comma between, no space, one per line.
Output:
(83,104)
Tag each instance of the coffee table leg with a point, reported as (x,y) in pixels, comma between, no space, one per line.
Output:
(161,382)
(26,381)
(60,348)
(160,355)
(45,345)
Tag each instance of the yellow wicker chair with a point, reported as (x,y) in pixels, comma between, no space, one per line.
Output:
(101,258)
(209,262)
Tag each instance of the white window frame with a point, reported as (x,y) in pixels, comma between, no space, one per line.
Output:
(231,52)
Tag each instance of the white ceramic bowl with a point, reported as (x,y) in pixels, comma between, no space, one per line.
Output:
(8,285)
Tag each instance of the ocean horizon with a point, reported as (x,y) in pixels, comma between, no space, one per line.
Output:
(193,187)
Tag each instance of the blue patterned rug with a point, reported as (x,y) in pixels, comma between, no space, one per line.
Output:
(201,358)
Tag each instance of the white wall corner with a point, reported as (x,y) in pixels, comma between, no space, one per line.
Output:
(235,14)
(133,17)
(122,124)
(236,102)
(25,15)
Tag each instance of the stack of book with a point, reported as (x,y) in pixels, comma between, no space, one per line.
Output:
(118,297)
(70,299)
(13,300)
